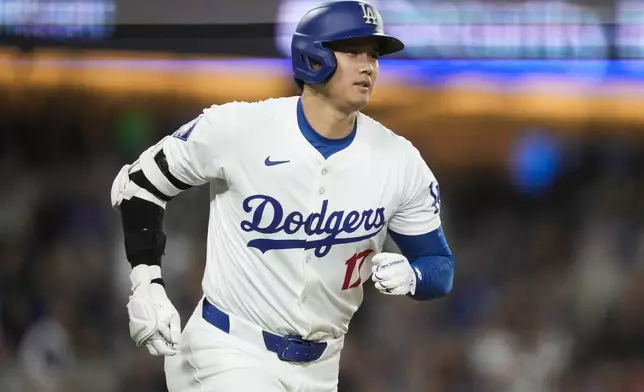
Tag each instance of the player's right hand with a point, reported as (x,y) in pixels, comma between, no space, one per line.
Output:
(154,321)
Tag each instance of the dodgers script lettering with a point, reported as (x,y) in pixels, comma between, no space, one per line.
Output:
(268,217)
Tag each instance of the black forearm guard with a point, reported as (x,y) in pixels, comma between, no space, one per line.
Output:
(143,231)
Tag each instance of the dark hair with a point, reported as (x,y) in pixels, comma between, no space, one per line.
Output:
(300,85)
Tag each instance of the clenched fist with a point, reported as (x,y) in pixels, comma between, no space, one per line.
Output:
(393,274)
(154,321)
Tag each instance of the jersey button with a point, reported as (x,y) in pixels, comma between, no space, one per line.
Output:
(322,191)
(324,172)
(308,258)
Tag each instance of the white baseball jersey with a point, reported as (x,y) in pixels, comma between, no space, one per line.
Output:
(291,234)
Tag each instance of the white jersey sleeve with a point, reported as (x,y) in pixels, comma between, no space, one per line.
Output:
(195,152)
(192,156)
(419,210)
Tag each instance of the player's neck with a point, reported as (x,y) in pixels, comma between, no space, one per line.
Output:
(327,119)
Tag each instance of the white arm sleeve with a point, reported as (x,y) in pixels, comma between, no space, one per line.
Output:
(419,210)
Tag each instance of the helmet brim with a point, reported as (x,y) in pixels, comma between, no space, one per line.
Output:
(389,45)
(386,44)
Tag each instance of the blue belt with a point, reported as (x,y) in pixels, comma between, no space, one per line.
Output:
(287,348)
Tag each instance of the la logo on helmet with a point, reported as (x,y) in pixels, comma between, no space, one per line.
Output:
(368,14)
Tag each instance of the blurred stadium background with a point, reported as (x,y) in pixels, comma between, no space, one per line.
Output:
(530,113)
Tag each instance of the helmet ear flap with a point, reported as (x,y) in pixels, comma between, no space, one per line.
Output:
(334,67)
(321,65)
(312,62)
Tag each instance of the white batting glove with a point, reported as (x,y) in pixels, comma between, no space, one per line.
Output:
(154,321)
(393,274)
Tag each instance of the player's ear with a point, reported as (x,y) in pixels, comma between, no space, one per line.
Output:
(316,65)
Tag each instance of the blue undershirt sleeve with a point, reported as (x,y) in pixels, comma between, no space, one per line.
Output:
(432,261)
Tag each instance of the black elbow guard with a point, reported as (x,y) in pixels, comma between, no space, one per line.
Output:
(143,231)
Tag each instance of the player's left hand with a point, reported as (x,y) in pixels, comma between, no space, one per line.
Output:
(393,274)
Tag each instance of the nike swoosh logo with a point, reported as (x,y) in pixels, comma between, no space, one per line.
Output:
(268,162)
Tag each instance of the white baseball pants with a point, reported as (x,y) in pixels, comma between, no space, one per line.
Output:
(211,360)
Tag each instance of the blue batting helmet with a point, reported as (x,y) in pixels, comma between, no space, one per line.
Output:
(332,22)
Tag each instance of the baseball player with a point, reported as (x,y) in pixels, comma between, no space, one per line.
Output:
(303,192)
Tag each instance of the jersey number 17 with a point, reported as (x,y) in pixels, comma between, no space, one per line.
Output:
(357,259)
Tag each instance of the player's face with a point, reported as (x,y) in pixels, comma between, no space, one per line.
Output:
(356,73)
